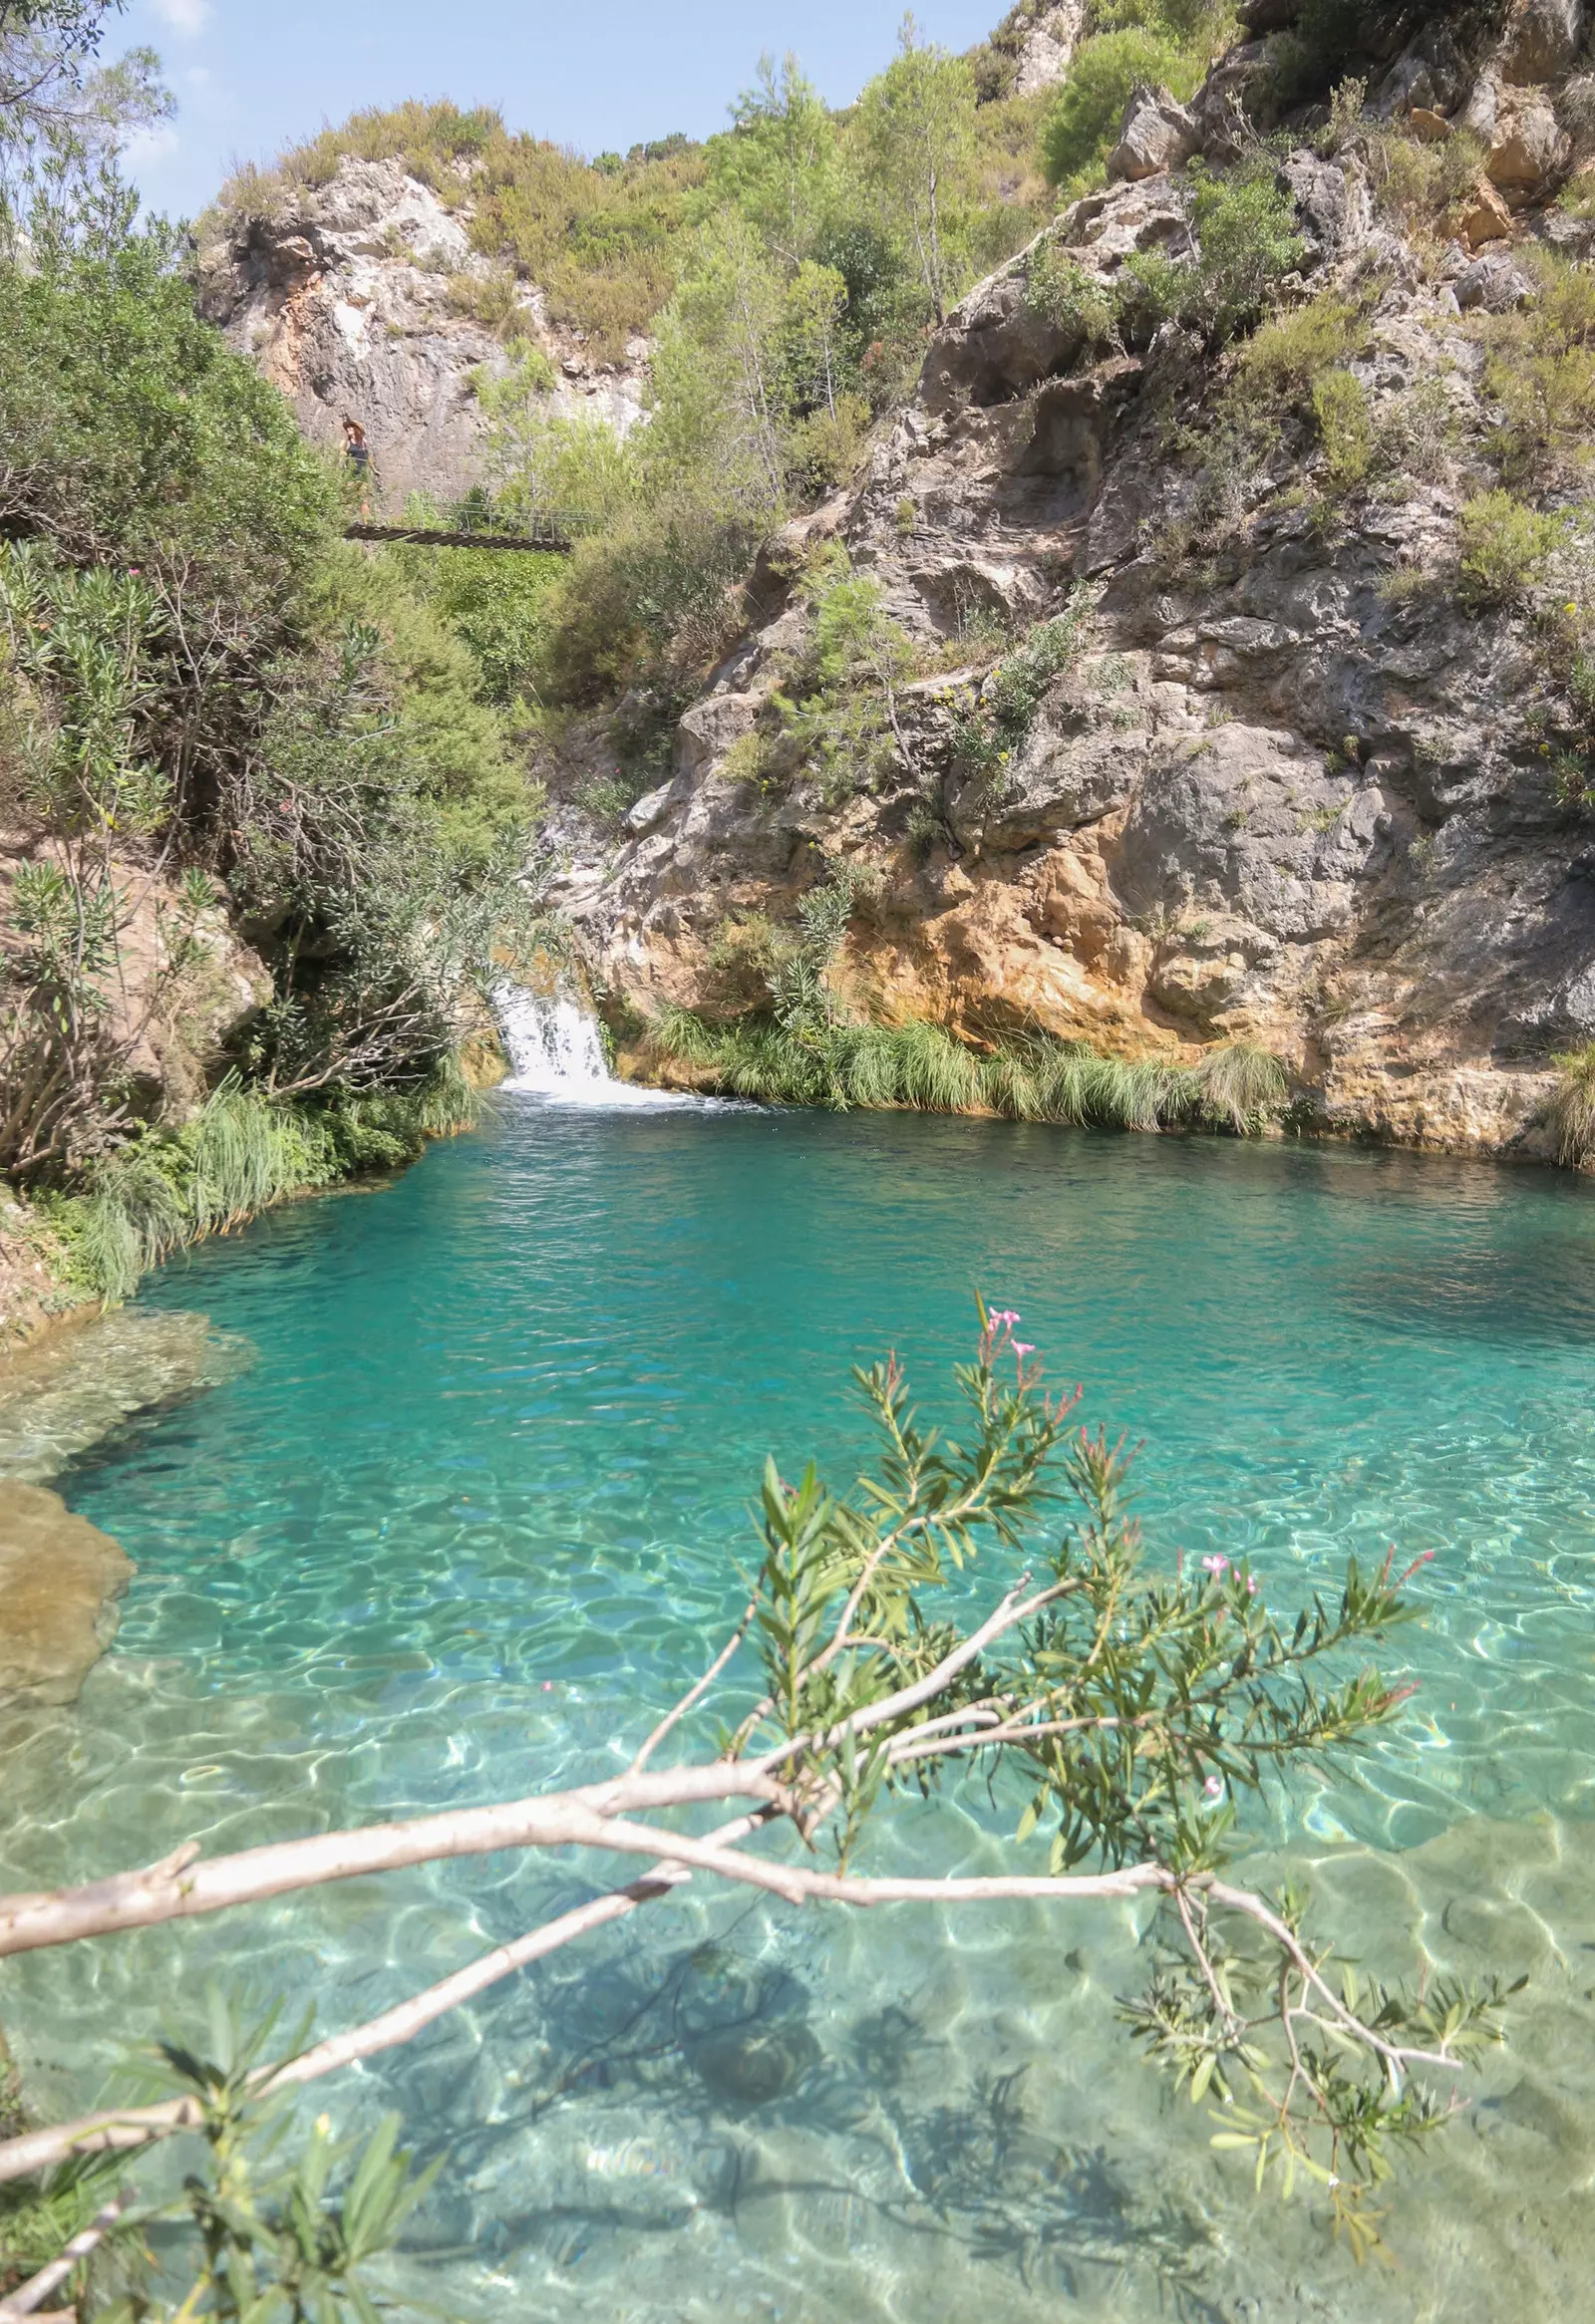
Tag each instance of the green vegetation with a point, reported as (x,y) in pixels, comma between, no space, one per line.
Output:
(786,273)
(794,1045)
(1346,430)
(1083,124)
(242,1152)
(1248,241)
(1243,1083)
(923,1067)
(839,710)
(1505,548)
(994,724)
(1283,362)
(1571,1113)
(1540,374)
(212,706)
(1166,43)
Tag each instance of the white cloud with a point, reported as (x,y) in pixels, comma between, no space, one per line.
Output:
(186,16)
(151,145)
(199,76)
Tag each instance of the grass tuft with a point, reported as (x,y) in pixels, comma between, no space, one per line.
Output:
(1026,1076)
(1571,1113)
(1240,1085)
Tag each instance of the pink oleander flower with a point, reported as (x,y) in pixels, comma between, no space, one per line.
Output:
(1024,1347)
(1005,1316)
(1251,1586)
(1215,1564)
(1214,1787)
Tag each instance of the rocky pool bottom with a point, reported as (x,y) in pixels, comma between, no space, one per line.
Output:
(474,1509)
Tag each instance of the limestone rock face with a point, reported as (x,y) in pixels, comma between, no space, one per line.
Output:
(1270,796)
(1542,40)
(60,1578)
(356,297)
(1047,46)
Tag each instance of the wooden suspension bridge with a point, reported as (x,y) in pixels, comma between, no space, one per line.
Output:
(544,535)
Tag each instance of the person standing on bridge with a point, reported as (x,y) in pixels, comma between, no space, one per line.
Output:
(357,452)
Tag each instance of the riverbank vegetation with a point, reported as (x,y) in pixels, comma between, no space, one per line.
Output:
(1028,1077)
(263,805)
(870,1681)
(799,1045)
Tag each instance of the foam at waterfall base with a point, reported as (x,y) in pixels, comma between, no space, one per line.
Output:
(556,1052)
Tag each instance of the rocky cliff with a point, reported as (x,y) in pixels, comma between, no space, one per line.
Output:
(1299,783)
(364,296)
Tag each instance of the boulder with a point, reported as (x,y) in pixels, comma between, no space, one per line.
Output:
(1157,134)
(1484,217)
(59,1577)
(1428,75)
(1542,40)
(1330,205)
(1235,101)
(1527,148)
(706,733)
(1492,283)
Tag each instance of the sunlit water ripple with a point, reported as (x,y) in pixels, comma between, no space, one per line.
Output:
(478,1510)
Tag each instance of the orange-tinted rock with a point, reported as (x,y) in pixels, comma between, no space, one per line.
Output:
(1485,217)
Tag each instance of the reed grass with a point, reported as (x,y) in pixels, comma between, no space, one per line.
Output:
(1571,1113)
(1241,1084)
(242,1152)
(1026,1076)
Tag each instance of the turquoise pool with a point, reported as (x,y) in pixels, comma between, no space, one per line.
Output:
(476,1508)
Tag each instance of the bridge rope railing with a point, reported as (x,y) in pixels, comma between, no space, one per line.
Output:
(544,533)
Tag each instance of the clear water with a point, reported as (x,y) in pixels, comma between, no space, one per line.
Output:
(477,1511)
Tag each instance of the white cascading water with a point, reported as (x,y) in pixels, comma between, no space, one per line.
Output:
(555,1051)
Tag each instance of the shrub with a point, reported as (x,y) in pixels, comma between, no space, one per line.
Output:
(497,602)
(1541,371)
(1571,1114)
(823,1063)
(1241,1085)
(1245,223)
(1084,123)
(989,729)
(1346,429)
(1418,185)
(242,1153)
(1071,296)
(1281,360)
(1504,548)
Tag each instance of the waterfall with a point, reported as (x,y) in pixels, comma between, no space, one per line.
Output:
(556,1051)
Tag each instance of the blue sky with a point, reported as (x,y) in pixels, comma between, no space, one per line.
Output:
(253,76)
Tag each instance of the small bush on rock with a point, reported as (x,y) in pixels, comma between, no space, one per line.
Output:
(1505,549)
(1346,427)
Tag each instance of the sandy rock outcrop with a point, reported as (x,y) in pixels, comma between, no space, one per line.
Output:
(359,297)
(60,1578)
(89,1380)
